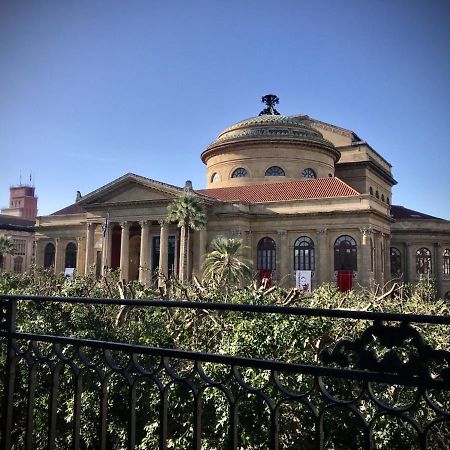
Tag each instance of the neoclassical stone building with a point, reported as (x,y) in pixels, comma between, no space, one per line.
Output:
(301,193)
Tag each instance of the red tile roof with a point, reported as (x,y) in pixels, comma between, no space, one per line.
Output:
(400,212)
(75,208)
(290,190)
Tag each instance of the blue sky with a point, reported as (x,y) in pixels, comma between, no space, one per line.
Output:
(91,90)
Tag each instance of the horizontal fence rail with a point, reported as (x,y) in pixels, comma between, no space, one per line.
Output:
(71,392)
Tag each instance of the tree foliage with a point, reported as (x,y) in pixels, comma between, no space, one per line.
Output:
(190,214)
(225,264)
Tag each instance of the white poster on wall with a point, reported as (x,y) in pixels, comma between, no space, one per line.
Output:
(303,280)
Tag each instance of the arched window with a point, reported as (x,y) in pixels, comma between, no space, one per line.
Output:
(377,194)
(345,253)
(215,177)
(304,254)
(71,255)
(382,197)
(266,254)
(309,173)
(371,190)
(240,172)
(18,263)
(396,262)
(388,201)
(49,255)
(423,261)
(275,171)
(446,262)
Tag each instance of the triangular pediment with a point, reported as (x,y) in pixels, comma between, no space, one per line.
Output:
(131,188)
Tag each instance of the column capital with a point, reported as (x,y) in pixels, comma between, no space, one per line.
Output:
(163,222)
(282,233)
(322,231)
(236,233)
(365,231)
(143,223)
(124,224)
(437,245)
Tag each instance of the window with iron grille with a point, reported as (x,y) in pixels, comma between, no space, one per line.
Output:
(345,253)
(266,254)
(446,262)
(423,261)
(396,262)
(49,255)
(19,246)
(304,254)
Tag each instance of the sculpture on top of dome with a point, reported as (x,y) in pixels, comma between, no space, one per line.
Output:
(270,100)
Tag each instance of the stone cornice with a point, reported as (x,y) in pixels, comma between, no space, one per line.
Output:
(218,147)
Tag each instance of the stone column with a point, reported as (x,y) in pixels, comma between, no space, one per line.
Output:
(107,248)
(283,258)
(202,239)
(322,258)
(164,250)
(144,270)
(90,235)
(124,250)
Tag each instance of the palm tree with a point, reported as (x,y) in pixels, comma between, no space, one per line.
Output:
(6,248)
(190,214)
(225,263)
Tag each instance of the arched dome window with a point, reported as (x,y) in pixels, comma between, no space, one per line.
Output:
(309,173)
(275,171)
(240,172)
(423,261)
(71,255)
(304,254)
(396,262)
(215,177)
(266,254)
(49,255)
(345,253)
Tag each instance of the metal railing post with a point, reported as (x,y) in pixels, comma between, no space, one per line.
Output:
(10,374)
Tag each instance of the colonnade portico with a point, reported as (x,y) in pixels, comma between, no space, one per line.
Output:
(147,230)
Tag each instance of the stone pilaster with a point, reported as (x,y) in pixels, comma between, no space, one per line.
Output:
(39,255)
(144,270)
(410,263)
(90,236)
(59,256)
(437,267)
(322,257)
(80,255)
(283,257)
(366,258)
(124,250)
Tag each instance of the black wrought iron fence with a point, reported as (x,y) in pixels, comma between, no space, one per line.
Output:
(385,388)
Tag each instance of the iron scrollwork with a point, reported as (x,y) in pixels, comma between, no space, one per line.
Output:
(407,353)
